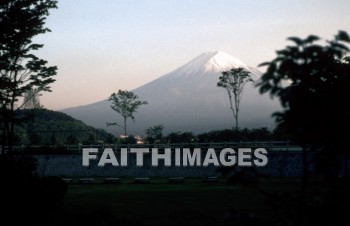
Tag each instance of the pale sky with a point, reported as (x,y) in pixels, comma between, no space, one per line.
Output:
(101,46)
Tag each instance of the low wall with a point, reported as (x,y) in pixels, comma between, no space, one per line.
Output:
(283,163)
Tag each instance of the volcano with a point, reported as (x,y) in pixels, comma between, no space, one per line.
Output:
(188,99)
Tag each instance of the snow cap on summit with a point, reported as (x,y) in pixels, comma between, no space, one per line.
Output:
(220,61)
(210,62)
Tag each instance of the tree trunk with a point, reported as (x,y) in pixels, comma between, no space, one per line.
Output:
(236,118)
(237,110)
(4,137)
(11,117)
(125,127)
(232,109)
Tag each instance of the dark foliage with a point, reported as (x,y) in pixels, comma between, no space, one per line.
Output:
(154,134)
(42,127)
(177,137)
(128,140)
(228,135)
(20,70)
(312,82)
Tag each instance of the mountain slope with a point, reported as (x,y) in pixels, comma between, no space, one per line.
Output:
(188,99)
(47,127)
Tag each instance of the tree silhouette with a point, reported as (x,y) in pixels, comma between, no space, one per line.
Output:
(181,137)
(126,104)
(312,83)
(234,81)
(20,69)
(154,133)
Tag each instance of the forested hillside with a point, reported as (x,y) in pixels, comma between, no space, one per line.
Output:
(47,127)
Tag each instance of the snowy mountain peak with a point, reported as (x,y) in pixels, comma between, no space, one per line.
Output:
(188,99)
(209,62)
(220,61)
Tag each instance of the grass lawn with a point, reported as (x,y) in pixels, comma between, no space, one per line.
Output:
(160,203)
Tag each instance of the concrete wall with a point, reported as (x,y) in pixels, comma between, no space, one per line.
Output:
(280,164)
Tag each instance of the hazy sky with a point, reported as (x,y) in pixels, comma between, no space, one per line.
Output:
(101,46)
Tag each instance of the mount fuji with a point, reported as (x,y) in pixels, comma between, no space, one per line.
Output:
(188,99)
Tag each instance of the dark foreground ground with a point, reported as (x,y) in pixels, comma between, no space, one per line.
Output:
(190,203)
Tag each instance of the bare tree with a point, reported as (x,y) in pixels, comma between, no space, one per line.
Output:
(234,81)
